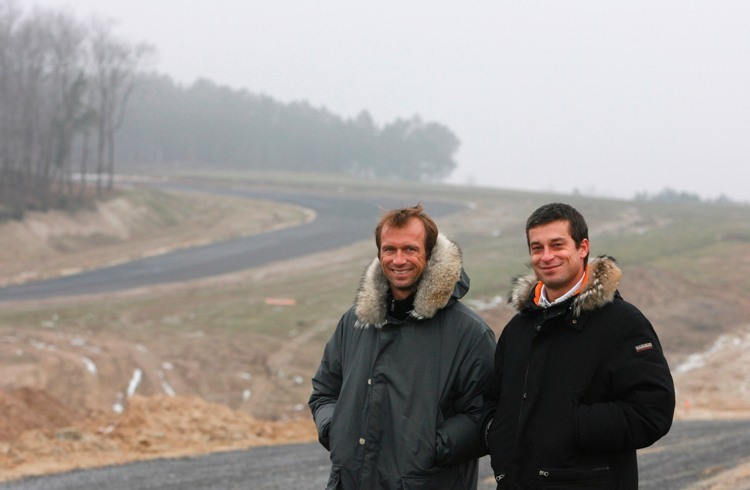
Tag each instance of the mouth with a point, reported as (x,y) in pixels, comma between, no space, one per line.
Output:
(400,272)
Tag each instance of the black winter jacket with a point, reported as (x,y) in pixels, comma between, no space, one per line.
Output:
(577,388)
(398,403)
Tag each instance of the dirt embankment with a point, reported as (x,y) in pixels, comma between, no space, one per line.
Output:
(39,435)
(131,224)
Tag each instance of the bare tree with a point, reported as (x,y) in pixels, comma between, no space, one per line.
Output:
(27,92)
(9,19)
(40,85)
(113,72)
(68,86)
(58,80)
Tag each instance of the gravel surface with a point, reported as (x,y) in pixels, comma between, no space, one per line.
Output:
(693,450)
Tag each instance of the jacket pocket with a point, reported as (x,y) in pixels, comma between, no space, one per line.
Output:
(444,479)
(573,478)
(334,480)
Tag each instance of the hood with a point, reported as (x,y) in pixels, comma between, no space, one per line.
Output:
(443,279)
(600,288)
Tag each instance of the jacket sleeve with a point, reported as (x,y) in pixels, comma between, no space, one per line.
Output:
(457,439)
(491,396)
(327,386)
(641,405)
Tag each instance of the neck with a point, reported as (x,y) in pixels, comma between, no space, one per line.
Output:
(400,308)
(553,295)
(401,294)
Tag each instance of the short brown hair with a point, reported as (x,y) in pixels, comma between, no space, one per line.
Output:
(398,218)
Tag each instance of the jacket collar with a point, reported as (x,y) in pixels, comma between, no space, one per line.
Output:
(443,279)
(600,288)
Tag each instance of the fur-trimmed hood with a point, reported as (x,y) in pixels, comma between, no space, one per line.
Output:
(443,279)
(600,288)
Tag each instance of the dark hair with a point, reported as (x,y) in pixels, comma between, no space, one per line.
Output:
(398,218)
(560,212)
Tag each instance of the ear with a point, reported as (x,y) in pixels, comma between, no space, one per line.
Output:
(583,249)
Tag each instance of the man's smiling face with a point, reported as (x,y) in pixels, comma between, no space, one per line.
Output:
(555,258)
(403,257)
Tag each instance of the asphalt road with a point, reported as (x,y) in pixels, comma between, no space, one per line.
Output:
(689,452)
(340,221)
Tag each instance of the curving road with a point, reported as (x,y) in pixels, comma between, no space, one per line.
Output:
(340,221)
(690,452)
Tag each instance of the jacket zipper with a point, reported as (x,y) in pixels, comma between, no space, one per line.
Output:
(523,395)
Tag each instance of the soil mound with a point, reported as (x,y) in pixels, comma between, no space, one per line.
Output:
(27,408)
(39,441)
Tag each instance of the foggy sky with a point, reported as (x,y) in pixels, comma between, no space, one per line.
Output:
(608,98)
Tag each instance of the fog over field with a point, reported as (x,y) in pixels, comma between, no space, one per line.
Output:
(600,98)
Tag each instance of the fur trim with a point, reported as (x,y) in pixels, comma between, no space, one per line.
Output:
(604,277)
(433,292)
(520,290)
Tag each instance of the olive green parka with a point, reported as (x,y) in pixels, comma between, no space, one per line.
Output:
(398,403)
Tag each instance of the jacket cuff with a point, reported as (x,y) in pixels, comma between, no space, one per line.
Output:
(486,435)
(323,423)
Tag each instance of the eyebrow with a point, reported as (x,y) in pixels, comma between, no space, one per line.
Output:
(561,239)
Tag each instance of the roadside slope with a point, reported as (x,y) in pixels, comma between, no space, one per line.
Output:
(131,224)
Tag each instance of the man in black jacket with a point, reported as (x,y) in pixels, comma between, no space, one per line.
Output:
(580,379)
(397,398)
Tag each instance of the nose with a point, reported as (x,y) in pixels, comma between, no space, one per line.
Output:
(398,258)
(547,255)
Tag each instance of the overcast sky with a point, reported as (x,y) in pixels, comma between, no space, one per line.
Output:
(603,97)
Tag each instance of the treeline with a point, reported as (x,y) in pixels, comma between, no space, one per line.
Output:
(64,86)
(211,125)
(671,195)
